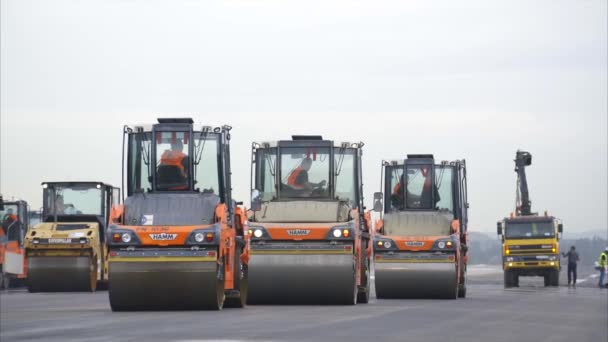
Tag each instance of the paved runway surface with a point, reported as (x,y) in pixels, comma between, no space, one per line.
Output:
(489,313)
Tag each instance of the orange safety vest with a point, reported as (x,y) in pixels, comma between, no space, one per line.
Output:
(427,179)
(174,158)
(397,189)
(294,176)
(11,218)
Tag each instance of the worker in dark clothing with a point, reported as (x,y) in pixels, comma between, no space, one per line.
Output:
(573,258)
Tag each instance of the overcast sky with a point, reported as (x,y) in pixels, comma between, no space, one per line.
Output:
(459,79)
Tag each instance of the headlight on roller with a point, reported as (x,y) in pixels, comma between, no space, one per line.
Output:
(125,237)
(120,237)
(342,232)
(204,236)
(384,244)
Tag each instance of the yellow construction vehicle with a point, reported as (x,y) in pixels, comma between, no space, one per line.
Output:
(530,242)
(310,236)
(67,252)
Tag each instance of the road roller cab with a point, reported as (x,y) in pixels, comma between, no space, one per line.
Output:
(421,249)
(310,237)
(177,242)
(66,251)
(13,266)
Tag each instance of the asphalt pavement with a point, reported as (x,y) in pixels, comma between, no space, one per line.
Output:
(489,313)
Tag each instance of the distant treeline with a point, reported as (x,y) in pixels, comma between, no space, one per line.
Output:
(487,251)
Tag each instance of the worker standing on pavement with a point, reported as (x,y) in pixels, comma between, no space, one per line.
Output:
(573,258)
(602,262)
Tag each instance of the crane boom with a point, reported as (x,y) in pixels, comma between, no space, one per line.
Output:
(524,205)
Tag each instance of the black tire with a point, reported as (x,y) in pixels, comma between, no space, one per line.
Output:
(363,292)
(509,279)
(554,278)
(241,283)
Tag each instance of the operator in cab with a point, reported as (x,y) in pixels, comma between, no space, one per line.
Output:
(298,179)
(8,220)
(177,174)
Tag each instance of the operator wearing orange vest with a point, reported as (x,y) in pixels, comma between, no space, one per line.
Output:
(397,195)
(7,221)
(175,157)
(425,197)
(298,179)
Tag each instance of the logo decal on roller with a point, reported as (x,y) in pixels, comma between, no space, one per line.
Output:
(163,237)
(414,243)
(298,232)
(59,240)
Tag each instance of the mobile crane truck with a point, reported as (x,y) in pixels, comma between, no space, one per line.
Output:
(530,242)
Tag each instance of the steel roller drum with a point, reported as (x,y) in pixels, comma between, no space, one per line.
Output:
(415,280)
(302,279)
(165,285)
(55,273)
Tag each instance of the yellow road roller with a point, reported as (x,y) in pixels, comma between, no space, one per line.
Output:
(67,252)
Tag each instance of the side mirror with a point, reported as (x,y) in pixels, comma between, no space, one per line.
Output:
(560,228)
(378,202)
(499,228)
(1,203)
(256,201)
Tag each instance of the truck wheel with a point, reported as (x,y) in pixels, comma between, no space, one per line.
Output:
(508,279)
(554,278)
(546,278)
